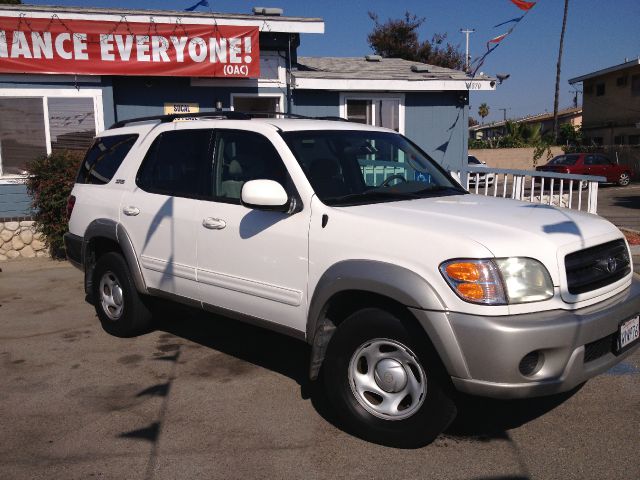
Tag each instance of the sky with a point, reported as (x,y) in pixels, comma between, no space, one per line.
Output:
(599,34)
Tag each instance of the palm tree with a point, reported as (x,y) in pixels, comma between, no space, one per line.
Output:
(555,100)
(483,110)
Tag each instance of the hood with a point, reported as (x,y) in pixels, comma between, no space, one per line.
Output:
(504,227)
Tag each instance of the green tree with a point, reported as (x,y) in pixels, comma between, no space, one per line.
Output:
(483,111)
(398,38)
(569,135)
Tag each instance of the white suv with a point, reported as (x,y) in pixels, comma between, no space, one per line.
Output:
(351,238)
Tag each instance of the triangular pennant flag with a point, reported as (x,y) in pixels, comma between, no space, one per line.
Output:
(513,20)
(522,5)
(497,39)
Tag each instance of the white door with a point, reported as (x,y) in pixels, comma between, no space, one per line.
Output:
(251,261)
(159,214)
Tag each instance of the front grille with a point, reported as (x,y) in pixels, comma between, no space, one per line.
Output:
(599,348)
(596,267)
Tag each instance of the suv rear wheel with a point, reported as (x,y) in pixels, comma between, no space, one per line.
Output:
(118,304)
(385,381)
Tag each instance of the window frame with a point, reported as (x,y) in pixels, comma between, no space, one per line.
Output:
(147,159)
(375,97)
(45,94)
(289,186)
(136,139)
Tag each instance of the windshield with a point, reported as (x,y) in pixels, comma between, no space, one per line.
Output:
(474,161)
(564,160)
(356,167)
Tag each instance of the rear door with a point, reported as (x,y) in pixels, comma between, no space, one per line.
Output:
(160,213)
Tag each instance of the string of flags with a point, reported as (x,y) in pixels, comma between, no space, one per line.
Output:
(201,3)
(494,42)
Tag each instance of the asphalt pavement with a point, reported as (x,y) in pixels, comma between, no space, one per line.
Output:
(207,397)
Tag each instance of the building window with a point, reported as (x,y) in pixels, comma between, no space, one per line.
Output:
(634,139)
(257,103)
(36,122)
(22,134)
(618,140)
(360,111)
(380,110)
(621,81)
(635,85)
(599,89)
(597,141)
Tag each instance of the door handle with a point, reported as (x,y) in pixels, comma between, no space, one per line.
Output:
(213,223)
(131,211)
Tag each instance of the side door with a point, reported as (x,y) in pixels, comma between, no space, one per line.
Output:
(251,261)
(160,212)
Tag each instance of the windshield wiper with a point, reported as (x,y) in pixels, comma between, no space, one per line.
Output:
(439,189)
(368,194)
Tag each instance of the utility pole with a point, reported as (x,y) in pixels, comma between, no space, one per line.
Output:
(555,99)
(467,58)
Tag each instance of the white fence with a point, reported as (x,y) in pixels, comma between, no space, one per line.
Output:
(558,189)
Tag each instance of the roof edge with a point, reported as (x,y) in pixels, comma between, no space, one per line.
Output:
(604,71)
(173,13)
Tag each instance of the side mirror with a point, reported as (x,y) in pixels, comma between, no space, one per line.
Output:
(264,195)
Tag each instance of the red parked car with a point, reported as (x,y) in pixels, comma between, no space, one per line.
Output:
(589,164)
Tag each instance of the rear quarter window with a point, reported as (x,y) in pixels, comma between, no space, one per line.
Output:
(104,157)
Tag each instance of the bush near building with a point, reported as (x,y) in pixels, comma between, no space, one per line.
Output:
(50,182)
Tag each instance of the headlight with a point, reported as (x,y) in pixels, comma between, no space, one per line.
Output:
(525,279)
(498,281)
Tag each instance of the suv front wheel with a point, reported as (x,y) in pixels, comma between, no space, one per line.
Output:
(120,309)
(384,380)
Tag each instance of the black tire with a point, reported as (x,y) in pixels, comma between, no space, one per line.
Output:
(129,316)
(624,179)
(429,418)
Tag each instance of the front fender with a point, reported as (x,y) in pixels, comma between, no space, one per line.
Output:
(392,281)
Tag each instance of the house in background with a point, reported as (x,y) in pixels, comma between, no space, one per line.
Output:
(572,116)
(611,103)
(45,109)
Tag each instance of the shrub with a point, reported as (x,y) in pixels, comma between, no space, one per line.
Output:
(50,182)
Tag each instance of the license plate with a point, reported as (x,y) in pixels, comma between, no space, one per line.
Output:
(629,332)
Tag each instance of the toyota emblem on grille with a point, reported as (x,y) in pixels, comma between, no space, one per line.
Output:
(612,264)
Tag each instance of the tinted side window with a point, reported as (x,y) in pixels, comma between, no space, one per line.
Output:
(104,158)
(178,164)
(242,156)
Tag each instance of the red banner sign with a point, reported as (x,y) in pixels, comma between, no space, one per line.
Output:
(43,45)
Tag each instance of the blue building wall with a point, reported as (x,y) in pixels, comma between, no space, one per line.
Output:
(314,103)
(437,122)
(144,96)
(14,201)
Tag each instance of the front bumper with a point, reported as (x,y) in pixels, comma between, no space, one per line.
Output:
(483,353)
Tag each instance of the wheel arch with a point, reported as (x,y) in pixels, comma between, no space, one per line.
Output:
(105,235)
(353,284)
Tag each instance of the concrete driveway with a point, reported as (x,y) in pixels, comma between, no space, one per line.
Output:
(205,397)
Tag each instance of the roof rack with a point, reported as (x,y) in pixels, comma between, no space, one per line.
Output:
(173,116)
(228,115)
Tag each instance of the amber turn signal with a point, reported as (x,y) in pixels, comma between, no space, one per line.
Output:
(471,291)
(464,271)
